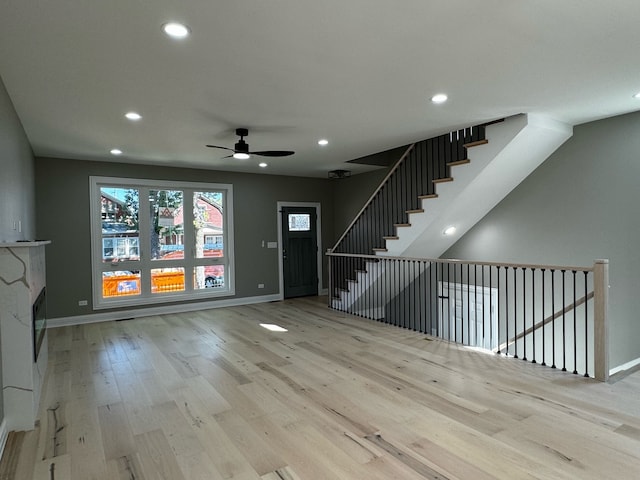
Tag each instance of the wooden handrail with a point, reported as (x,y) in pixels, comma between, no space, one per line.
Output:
(458,261)
(550,318)
(380,187)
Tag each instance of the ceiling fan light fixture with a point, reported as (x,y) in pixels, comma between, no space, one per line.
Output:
(439,98)
(241,156)
(176,30)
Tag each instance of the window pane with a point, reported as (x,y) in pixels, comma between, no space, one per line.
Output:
(167,224)
(119,215)
(208,216)
(167,280)
(208,276)
(299,222)
(120,283)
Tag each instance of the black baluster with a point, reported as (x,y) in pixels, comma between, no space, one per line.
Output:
(544,338)
(553,319)
(564,311)
(468,283)
(515,313)
(524,314)
(506,303)
(575,331)
(499,309)
(533,312)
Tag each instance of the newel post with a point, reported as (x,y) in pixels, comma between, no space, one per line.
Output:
(601,319)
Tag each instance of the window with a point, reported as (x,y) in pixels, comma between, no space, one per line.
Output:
(299,222)
(155,241)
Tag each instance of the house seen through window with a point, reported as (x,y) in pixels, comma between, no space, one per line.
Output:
(160,241)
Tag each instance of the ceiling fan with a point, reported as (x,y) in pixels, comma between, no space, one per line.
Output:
(241,149)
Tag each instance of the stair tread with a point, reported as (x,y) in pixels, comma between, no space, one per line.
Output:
(459,162)
(475,144)
(401,224)
(417,210)
(424,197)
(443,180)
(379,249)
(391,237)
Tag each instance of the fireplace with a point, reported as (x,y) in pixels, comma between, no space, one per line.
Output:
(39,321)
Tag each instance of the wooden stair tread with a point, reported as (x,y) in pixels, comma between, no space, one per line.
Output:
(379,249)
(443,180)
(424,197)
(401,224)
(417,210)
(391,237)
(459,162)
(475,144)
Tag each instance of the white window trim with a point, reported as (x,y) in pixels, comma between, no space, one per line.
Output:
(145,264)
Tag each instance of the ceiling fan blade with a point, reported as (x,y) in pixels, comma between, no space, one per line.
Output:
(224,148)
(273,153)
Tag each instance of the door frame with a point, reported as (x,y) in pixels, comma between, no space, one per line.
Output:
(315,205)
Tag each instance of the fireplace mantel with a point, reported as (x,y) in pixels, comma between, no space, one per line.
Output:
(22,278)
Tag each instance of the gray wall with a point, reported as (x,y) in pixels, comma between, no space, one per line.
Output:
(16,175)
(580,205)
(62,207)
(350,194)
(16,183)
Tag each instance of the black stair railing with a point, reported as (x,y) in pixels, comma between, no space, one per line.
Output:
(403,189)
(549,315)
(412,179)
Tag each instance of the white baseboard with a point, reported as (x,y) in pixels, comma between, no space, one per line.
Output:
(4,433)
(161,310)
(624,366)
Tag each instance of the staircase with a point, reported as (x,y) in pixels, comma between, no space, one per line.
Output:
(451,180)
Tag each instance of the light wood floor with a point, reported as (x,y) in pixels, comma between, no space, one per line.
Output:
(212,395)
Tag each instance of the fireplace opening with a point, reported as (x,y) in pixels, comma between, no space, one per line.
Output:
(39,322)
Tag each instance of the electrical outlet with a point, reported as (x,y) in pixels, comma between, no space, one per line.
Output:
(261,285)
(83,303)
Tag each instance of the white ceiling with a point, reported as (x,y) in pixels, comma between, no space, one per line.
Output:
(358,72)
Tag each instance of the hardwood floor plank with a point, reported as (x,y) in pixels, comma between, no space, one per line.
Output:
(117,439)
(212,395)
(253,446)
(157,457)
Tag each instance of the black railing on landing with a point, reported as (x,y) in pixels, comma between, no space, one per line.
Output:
(409,182)
(550,315)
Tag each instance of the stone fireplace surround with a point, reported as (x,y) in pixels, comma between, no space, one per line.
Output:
(22,278)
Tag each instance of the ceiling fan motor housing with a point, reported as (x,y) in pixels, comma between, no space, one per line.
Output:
(241,147)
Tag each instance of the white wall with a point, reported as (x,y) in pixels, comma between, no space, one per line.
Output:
(581,204)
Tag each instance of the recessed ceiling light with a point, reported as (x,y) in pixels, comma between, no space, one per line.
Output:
(116,151)
(133,116)
(176,30)
(241,156)
(439,98)
(262,165)
(323,142)
(637,95)
(449,230)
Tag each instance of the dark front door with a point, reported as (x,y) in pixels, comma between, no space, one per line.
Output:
(299,251)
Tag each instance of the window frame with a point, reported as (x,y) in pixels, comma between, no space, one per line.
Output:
(145,264)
